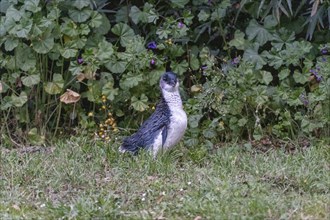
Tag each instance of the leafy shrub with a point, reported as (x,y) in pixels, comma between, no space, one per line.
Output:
(246,70)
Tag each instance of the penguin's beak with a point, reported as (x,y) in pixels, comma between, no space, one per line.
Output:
(173,82)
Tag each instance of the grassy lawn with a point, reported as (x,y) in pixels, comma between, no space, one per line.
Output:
(81,179)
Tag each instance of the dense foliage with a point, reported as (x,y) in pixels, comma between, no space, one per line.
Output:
(249,68)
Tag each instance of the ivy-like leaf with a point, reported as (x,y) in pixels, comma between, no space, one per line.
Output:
(180,68)
(109,91)
(238,41)
(105,50)
(130,81)
(80,15)
(258,32)
(43,44)
(20,100)
(11,43)
(31,80)
(140,104)
(80,4)
(266,77)
(55,87)
(116,66)
(96,20)
(251,55)
(125,33)
(179,3)
(32,5)
(300,77)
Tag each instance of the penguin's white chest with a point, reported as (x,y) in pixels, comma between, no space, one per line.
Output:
(177,127)
(175,130)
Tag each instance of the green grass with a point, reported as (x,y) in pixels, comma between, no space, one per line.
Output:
(81,179)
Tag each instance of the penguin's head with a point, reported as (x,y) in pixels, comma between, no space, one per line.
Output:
(169,81)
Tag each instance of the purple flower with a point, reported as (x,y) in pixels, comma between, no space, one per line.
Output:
(324,51)
(80,60)
(152,45)
(304,99)
(204,67)
(316,74)
(152,62)
(180,25)
(235,61)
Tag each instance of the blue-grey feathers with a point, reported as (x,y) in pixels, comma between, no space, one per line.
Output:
(150,129)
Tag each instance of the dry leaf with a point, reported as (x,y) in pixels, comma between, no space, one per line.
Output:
(198,218)
(196,88)
(70,97)
(81,77)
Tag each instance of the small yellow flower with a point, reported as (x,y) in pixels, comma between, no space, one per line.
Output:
(90,114)
(100,133)
(107,138)
(115,129)
(101,125)
(104,107)
(104,97)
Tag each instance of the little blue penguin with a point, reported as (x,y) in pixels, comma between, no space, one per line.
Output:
(166,126)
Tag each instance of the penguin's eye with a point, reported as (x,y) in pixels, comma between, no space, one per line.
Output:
(165,78)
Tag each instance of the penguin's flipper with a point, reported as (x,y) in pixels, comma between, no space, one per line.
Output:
(164,135)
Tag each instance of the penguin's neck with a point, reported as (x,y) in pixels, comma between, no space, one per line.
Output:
(173,99)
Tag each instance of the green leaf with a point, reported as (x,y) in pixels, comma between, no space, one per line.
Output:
(44,44)
(11,43)
(270,22)
(194,120)
(283,74)
(239,42)
(300,77)
(203,16)
(266,77)
(56,86)
(80,15)
(68,52)
(20,100)
(32,5)
(31,80)
(125,33)
(105,50)
(13,13)
(209,133)
(109,91)
(104,28)
(6,103)
(69,28)
(25,58)
(135,14)
(139,104)
(251,55)
(79,4)
(116,66)
(23,29)
(194,62)
(180,68)
(258,32)
(96,20)
(130,81)
(179,3)
(242,122)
